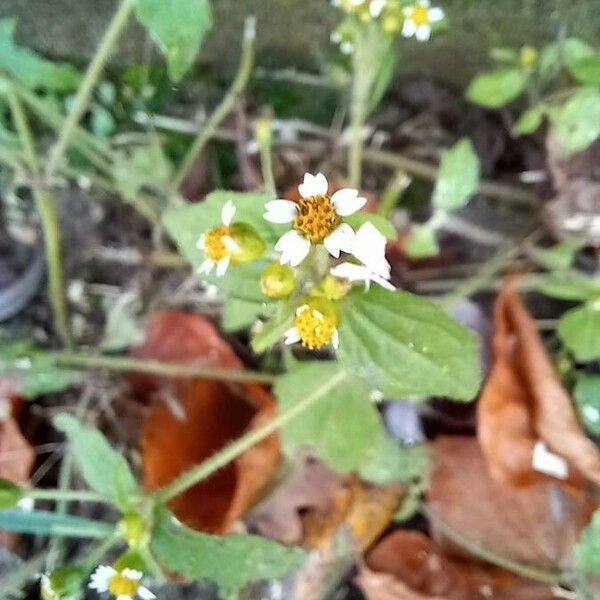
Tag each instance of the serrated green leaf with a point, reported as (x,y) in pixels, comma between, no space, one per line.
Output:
(579,331)
(530,120)
(587,400)
(29,68)
(458,177)
(104,469)
(576,124)
(406,346)
(232,561)
(422,242)
(40,522)
(587,550)
(240,314)
(178,27)
(382,224)
(344,428)
(497,88)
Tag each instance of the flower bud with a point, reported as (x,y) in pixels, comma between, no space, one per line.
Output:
(277,281)
(250,245)
(130,560)
(331,288)
(134,531)
(10,494)
(63,583)
(392,19)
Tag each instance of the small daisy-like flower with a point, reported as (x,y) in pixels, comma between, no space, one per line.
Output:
(354,272)
(369,249)
(315,325)
(418,19)
(218,243)
(124,585)
(315,218)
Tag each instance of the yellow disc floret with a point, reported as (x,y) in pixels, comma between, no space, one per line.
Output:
(316,323)
(317,218)
(420,15)
(214,246)
(121,585)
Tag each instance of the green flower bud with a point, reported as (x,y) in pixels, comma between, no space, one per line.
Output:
(10,494)
(130,560)
(331,288)
(63,583)
(277,281)
(250,245)
(134,531)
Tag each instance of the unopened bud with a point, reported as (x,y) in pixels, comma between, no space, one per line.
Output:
(250,245)
(277,281)
(134,531)
(331,288)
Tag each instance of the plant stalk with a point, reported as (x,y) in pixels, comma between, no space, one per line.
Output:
(90,79)
(57,495)
(235,449)
(224,107)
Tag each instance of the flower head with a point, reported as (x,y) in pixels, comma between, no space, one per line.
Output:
(124,584)
(315,325)
(418,19)
(315,219)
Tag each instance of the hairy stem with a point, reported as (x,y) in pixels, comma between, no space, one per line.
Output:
(233,450)
(58,495)
(264,137)
(224,107)
(90,79)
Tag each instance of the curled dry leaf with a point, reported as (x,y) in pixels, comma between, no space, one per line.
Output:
(407,565)
(524,401)
(536,525)
(203,417)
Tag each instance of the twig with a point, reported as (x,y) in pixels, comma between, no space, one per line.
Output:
(224,107)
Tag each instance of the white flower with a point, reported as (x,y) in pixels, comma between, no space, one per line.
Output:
(369,249)
(418,19)
(376,7)
(315,218)
(217,243)
(124,585)
(354,272)
(313,327)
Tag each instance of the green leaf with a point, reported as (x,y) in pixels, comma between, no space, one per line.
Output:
(530,120)
(104,469)
(559,257)
(572,50)
(407,347)
(240,314)
(40,522)
(274,329)
(178,27)
(344,428)
(382,224)
(579,331)
(385,73)
(422,242)
(506,55)
(232,561)
(497,88)
(458,177)
(29,68)
(393,462)
(567,286)
(587,550)
(577,122)
(586,70)
(587,400)
(34,373)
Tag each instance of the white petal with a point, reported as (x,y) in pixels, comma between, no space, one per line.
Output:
(423,33)
(124,597)
(132,574)
(407,11)
(280,211)
(291,336)
(314,185)
(335,339)
(200,242)
(100,578)
(347,202)
(347,47)
(435,14)
(341,239)
(222,266)
(145,594)
(423,3)
(294,248)
(206,267)
(384,283)
(369,248)
(228,213)
(545,461)
(376,7)
(409,28)
(351,271)
(230,244)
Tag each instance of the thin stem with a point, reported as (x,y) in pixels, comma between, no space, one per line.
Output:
(58,495)
(97,554)
(90,79)
(232,451)
(137,365)
(392,193)
(225,106)
(24,131)
(264,137)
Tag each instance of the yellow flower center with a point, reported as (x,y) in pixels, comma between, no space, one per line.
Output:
(314,328)
(214,248)
(119,585)
(316,218)
(420,15)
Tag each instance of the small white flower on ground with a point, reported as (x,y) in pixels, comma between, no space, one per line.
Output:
(313,327)
(369,249)
(218,244)
(124,585)
(545,461)
(354,272)
(315,218)
(418,19)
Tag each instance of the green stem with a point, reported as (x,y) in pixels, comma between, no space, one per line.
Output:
(225,106)
(90,79)
(97,554)
(399,182)
(58,495)
(24,131)
(264,137)
(232,451)
(155,367)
